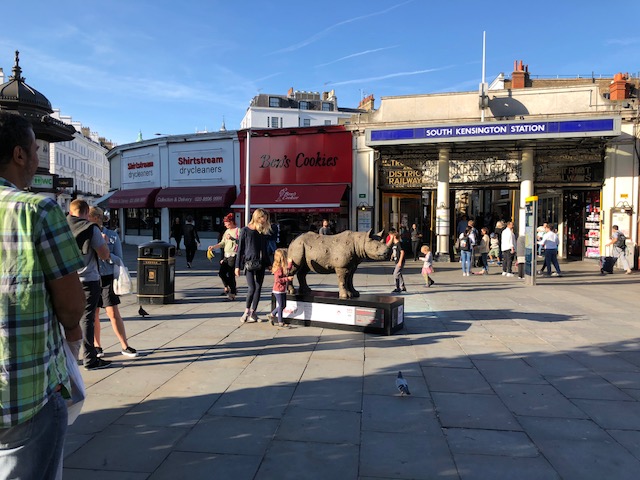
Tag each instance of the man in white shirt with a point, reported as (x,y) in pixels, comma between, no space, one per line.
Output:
(508,246)
(549,242)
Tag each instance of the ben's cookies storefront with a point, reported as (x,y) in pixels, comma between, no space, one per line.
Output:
(302,176)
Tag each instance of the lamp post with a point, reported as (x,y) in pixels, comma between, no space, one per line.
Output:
(247,185)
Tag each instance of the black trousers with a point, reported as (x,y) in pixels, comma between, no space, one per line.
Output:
(190,251)
(92,291)
(227,274)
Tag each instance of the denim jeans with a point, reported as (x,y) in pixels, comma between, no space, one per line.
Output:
(33,449)
(465,256)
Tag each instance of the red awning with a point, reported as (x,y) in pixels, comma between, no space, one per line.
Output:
(136,198)
(196,197)
(294,198)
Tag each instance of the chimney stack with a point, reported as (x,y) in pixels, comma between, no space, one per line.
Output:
(367,103)
(619,89)
(520,75)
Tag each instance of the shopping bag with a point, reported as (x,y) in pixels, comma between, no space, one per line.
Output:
(78,392)
(122,284)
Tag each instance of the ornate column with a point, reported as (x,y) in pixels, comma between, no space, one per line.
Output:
(443,226)
(526,185)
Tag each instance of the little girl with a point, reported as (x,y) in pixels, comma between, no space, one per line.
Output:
(427,268)
(280,282)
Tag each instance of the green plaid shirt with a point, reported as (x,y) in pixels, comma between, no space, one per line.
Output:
(36,246)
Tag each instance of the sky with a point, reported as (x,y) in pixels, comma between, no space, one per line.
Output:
(121,67)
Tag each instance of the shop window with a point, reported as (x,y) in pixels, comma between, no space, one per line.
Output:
(142,221)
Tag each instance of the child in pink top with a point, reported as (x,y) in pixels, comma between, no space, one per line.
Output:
(280,270)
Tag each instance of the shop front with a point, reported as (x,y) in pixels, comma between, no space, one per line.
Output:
(300,176)
(439,176)
(169,179)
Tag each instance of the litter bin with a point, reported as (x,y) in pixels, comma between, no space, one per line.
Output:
(156,272)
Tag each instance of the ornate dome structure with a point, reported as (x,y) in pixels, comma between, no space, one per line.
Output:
(17,96)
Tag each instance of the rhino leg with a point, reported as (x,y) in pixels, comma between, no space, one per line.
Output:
(343,282)
(302,279)
(350,287)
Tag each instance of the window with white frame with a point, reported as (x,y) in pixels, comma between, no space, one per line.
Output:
(274,102)
(275,122)
(306,122)
(327,107)
(304,105)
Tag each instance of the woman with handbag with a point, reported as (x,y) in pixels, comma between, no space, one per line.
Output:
(253,256)
(229,244)
(108,299)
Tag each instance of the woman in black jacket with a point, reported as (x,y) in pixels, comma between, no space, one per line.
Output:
(254,257)
(191,240)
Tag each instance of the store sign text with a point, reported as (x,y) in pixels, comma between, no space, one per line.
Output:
(301,160)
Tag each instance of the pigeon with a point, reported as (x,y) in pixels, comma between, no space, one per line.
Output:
(142,312)
(402,385)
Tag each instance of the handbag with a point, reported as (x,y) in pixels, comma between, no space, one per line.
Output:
(122,284)
(253,264)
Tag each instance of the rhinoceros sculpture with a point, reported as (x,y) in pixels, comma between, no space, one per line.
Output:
(341,253)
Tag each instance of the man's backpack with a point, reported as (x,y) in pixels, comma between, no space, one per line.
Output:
(621,242)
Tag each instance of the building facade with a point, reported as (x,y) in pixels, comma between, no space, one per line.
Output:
(82,164)
(297,109)
(574,145)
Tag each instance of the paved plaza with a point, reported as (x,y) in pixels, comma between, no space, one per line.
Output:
(507,382)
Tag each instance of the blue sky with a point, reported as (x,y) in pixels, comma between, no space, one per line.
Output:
(123,66)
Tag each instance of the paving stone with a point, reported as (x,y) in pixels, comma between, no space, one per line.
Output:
(230,435)
(487,467)
(474,411)
(490,442)
(293,460)
(537,400)
(324,426)
(460,380)
(405,455)
(192,465)
(580,450)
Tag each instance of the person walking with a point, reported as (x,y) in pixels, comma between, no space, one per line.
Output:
(176,233)
(618,242)
(483,250)
(465,249)
(252,255)
(191,239)
(549,243)
(416,237)
(400,253)
(281,279)
(93,248)
(229,245)
(427,267)
(508,248)
(108,299)
(39,260)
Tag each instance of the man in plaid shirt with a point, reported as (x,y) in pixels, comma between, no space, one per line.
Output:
(39,291)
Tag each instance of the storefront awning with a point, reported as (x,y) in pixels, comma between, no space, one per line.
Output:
(294,198)
(98,202)
(136,198)
(195,197)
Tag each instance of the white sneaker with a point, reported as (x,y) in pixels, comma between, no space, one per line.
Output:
(509,275)
(555,274)
(504,274)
